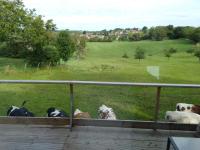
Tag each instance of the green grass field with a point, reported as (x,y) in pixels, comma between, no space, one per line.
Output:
(104,62)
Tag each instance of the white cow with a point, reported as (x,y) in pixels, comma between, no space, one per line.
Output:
(182,117)
(106,113)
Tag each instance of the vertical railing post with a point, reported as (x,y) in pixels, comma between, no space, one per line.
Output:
(71,105)
(157,108)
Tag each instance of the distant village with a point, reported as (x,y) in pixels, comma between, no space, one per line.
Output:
(110,35)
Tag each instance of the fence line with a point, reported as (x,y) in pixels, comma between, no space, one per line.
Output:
(72,83)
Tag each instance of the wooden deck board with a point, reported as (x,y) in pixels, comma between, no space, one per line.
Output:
(37,137)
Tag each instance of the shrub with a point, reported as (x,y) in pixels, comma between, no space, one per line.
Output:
(47,55)
(172,50)
(190,51)
(197,53)
(125,56)
(4,50)
(167,53)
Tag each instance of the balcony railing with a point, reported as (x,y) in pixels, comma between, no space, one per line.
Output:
(111,123)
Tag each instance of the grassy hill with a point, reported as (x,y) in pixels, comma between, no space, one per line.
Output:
(104,62)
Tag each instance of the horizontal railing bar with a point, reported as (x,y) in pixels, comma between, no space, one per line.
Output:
(99,83)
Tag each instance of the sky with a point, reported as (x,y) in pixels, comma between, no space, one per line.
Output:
(96,15)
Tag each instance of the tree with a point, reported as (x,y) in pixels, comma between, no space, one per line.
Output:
(158,33)
(135,36)
(170,31)
(195,36)
(50,26)
(139,53)
(66,45)
(80,46)
(167,54)
(144,29)
(178,32)
(197,51)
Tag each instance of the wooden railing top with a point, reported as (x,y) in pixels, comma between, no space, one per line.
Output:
(99,83)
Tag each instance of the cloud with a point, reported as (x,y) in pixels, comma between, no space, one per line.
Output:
(100,14)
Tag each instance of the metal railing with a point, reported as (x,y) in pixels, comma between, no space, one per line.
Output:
(72,83)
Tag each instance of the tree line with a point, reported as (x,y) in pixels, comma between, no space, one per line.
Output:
(24,34)
(157,33)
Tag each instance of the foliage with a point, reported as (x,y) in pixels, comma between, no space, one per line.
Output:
(44,56)
(195,36)
(23,31)
(66,45)
(125,55)
(197,51)
(139,53)
(144,29)
(172,50)
(158,33)
(191,50)
(80,46)
(101,39)
(167,53)
(135,36)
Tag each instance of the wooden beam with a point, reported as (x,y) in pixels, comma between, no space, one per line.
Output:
(98,123)
(34,120)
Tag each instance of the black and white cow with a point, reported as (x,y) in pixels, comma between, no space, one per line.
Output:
(53,112)
(16,111)
(188,108)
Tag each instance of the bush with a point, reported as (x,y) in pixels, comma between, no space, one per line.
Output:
(4,50)
(172,50)
(190,51)
(52,54)
(125,56)
(167,53)
(45,56)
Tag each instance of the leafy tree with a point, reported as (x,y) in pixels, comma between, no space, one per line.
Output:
(139,53)
(66,45)
(197,51)
(178,32)
(195,36)
(158,33)
(170,31)
(144,29)
(167,54)
(135,36)
(80,46)
(50,26)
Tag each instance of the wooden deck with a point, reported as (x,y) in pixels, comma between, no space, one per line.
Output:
(42,137)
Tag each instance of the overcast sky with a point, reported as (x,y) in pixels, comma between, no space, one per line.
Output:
(110,14)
